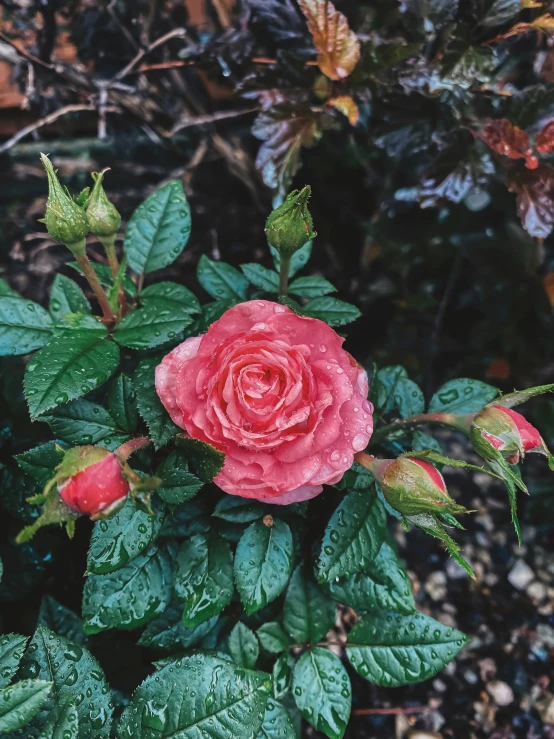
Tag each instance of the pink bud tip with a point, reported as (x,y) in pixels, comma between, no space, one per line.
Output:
(95,488)
(530,437)
(433,473)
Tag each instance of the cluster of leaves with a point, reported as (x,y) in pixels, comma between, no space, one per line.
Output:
(226,576)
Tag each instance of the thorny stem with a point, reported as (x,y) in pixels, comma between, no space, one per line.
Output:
(90,275)
(407,424)
(284,275)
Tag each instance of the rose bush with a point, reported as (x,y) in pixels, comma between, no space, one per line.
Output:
(275,392)
(252,391)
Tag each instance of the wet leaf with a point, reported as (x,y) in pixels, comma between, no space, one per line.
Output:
(276,724)
(203,577)
(353,536)
(391,650)
(67,297)
(263,563)
(76,676)
(243,646)
(535,199)
(12,647)
(120,539)
(130,596)
(322,691)
(160,425)
(20,703)
(197,696)
(308,614)
(338,46)
(461,396)
(24,326)
(159,229)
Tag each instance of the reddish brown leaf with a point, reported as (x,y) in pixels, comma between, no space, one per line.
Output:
(545,139)
(504,138)
(535,199)
(284,131)
(338,46)
(498,369)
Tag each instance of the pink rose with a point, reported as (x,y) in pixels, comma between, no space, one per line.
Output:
(275,392)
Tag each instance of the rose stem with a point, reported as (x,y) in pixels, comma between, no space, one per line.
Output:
(284,275)
(108,242)
(92,279)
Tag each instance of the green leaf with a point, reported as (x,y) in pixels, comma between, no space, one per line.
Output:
(239,510)
(421,442)
(273,637)
(80,422)
(298,260)
(311,287)
(24,326)
(276,724)
(263,563)
(243,646)
(384,585)
(69,366)
(167,632)
(282,675)
(119,539)
(61,620)
(332,311)
(67,297)
(74,672)
(6,290)
(434,527)
(40,461)
(159,229)
(322,691)
(105,277)
(12,647)
(122,403)
(62,722)
(221,280)
(408,399)
(462,396)
(266,279)
(308,614)
(197,697)
(353,536)
(186,520)
(205,460)
(170,296)
(20,703)
(129,597)
(384,387)
(203,577)
(160,425)
(151,326)
(178,484)
(391,650)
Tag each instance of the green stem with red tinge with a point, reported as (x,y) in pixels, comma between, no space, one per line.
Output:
(450,420)
(79,251)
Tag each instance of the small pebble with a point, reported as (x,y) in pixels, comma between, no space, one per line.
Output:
(536,591)
(521,575)
(500,692)
(435,585)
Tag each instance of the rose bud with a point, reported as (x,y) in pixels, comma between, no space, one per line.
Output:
(91,481)
(64,219)
(290,226)
(413,486)
(504,430)
(103,216)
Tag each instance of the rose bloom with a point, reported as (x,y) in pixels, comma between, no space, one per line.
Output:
(275,392)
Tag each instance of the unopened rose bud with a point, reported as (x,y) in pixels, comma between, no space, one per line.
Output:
(64,219)
(91,481)
(504,430)
(290,226)
(103,217)
(413,486)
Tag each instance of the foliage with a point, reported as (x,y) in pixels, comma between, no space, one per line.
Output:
(238,598)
